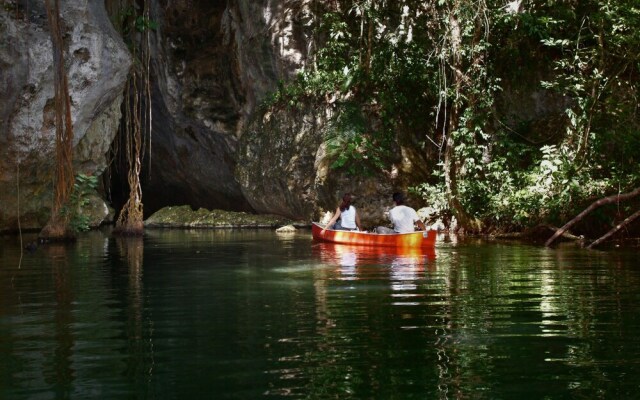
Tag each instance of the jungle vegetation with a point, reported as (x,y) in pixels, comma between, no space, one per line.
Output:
(446,73)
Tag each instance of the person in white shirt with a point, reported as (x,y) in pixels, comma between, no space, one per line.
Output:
(349,219)
(404,218)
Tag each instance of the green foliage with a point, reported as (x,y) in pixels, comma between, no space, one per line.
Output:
(371,82)
(84,186)
(434,195)
(131,19)
(514,184)
(143,23)
(354,145)
(548,190)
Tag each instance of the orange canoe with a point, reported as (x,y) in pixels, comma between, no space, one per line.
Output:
(421,239)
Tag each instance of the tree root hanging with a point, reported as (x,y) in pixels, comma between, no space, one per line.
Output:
(137,127)
(58,229)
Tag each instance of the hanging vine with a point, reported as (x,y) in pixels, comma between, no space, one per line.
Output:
(58,226)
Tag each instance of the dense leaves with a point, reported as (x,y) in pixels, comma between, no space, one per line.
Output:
(449,72)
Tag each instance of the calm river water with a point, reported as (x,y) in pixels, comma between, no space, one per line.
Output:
(244,314)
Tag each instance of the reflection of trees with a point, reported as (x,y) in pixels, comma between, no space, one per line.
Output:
(140,364)
(320,289)
(592,301)
(514,311)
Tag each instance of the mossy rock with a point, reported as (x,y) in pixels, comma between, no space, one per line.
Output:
(96,211)
(185,217)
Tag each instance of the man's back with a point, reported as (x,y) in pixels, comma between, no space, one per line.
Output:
(403,218)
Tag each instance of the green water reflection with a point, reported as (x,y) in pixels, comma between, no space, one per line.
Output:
(253,314)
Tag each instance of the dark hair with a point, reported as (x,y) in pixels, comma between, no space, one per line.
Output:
(398,198)
(346,202)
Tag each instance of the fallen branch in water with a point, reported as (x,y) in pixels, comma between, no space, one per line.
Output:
(621,225)
(606,200)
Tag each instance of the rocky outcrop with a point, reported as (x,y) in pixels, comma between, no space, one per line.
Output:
(279,156)
(185,217)
(213,64)
(97,63)
(213,146)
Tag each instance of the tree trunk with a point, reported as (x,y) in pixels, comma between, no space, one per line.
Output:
(466,221)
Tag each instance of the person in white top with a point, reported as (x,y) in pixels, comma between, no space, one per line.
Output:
(404,218)
(349,219)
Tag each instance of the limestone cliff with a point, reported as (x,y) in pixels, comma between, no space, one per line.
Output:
(213,64)
(97,63)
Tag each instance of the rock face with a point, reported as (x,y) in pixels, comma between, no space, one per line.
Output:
(212,145)
(279,156)
(283,168)
(97,63)
(215,61)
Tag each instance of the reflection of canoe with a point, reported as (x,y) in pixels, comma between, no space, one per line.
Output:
(357,255)
(418,239)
